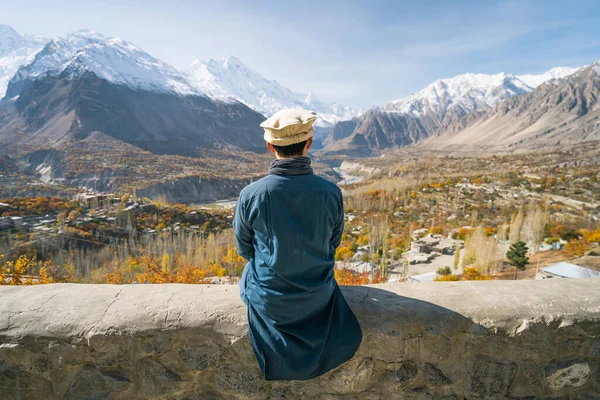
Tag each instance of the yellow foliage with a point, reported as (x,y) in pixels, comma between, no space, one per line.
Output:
(343,253)
(591,236)
(363,240)
(473,274)
(446,278)
(577,247)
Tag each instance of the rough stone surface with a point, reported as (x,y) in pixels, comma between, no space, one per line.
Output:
(562,373)
(459,340)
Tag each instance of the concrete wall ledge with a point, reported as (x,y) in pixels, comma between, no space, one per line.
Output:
(455,340)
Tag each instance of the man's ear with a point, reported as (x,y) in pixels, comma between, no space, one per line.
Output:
(309,143)
(270,147)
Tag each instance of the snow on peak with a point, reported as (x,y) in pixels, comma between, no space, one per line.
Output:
(470,92)
(534,80)
(231,78)
(109,58)
(15,51)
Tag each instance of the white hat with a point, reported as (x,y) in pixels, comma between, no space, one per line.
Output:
(289,126)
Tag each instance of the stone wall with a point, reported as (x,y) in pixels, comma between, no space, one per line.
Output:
(474,340)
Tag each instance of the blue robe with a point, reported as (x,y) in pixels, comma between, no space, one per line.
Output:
(288,227)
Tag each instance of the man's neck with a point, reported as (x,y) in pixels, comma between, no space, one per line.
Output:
(287,158)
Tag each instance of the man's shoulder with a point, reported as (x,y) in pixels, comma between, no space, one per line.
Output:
(271,182)
(257,187)
(327,184)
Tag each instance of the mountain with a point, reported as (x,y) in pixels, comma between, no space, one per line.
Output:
(15,51)
(445,102)
(373,131)
(230,78)
(462,94)
(548,76)
(108,58)
(557,112)
(86,83)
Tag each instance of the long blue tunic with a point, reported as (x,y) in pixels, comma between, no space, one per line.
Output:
(288,228)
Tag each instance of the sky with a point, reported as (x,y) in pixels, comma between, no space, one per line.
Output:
(360,53)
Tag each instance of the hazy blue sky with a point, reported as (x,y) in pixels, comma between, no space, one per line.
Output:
(362,53)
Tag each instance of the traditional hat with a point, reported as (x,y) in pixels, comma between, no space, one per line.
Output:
(289,126)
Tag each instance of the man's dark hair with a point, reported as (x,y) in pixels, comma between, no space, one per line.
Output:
(293,150)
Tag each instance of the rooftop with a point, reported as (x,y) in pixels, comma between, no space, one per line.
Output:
(568,270)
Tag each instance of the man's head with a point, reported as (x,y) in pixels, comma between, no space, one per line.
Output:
(292,150)
(289,133)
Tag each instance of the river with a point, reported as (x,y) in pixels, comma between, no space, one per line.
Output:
(347,179)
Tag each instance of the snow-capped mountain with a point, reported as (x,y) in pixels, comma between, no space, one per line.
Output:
(230,78)
(471,92)
(86,84)
(446,103)
(109,58)
(557,114)
(534,80)
(15,51)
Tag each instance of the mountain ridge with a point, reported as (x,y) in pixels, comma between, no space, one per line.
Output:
(451,102)
(557,112)
(230,77)
(15,51)
(86,83)
(109,58)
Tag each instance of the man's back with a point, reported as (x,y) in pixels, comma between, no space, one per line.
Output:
(288,226)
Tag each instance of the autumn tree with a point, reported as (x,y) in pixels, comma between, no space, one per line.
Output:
(577,247)
(515,227)
(456,255)
(534,226)
(517,256)
(73,215)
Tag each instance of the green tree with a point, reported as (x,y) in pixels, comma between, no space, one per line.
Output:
(517,256)
(444,271)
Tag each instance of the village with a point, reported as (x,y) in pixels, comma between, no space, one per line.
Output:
(413,220)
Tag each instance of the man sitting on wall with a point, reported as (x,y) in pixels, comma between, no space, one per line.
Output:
(288,226)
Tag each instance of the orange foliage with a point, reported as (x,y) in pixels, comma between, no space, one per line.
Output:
(346,276)
(350,278)
(143,269)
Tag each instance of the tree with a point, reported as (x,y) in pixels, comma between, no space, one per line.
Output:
(515,227)
(444,271)
(456,255)
(577,247)
(73,215)
(517,256)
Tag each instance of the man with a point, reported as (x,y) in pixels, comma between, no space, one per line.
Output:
(288,226)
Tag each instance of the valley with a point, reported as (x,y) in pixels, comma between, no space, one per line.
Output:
(405,219)
(116,167)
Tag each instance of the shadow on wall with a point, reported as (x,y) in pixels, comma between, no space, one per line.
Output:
(410,348)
